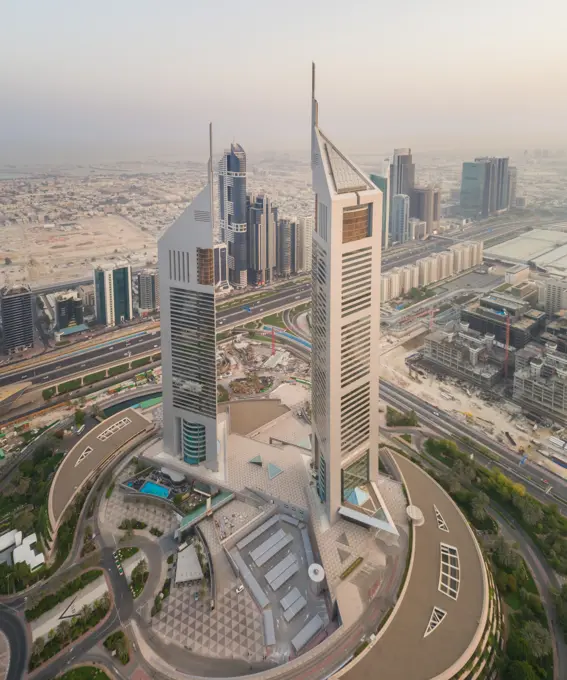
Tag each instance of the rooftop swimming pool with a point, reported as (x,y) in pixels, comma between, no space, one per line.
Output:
(153,489)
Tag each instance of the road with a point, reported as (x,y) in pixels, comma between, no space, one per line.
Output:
(546,580)
(14,628)
(529,475)
(89,360)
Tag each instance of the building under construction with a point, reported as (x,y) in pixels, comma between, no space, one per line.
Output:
(540,381)
(511,320)
(466,353)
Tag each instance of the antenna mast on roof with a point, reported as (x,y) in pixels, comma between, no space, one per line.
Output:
(314,107)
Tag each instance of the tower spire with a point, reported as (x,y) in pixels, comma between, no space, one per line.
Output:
(314,106)
(211,176)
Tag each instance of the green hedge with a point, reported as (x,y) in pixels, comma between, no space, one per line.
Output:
(94,377)
(69,386)
(156,357)
(116,370)
(85,673)
(141,362)
(70,588)
(48,393)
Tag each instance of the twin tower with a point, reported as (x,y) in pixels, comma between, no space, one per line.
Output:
(345,324)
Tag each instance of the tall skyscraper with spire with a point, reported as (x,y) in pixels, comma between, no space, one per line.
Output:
(188,331)
(345,321)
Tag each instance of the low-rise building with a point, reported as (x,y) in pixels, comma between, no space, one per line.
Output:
(16,548)
(540,380)
(466,353)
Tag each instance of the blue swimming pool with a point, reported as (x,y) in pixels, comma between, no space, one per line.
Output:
(154,489)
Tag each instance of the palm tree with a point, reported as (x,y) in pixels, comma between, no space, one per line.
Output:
(537,638)
(479,503)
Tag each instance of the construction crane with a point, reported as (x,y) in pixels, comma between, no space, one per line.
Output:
(506,350)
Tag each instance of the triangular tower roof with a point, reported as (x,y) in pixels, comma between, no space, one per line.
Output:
(345,175)
(342,175)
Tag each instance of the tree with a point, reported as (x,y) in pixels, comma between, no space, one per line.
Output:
(505,555)
(478,505)
(79,417)
(520,670)
(7,260)
(537,638)
(531,511)
(25,520)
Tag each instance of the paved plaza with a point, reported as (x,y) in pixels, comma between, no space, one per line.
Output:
(232,630)
(116,509)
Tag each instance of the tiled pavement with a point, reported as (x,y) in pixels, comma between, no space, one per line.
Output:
(117,509)
(232,629)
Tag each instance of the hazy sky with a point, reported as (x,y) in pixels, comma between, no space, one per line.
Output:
(145,76)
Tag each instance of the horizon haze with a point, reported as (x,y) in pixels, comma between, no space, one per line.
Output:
(111,80)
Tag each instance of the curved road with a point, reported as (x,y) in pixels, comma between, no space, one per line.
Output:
(546,580)
(13,627)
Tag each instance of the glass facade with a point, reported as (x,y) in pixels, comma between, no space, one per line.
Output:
(194,443)
(354,475)
(322,479)
(100,296)
(122,291)
(356,223)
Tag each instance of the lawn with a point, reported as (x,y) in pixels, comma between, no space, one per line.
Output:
(513,600)
(274,320)
(85,673)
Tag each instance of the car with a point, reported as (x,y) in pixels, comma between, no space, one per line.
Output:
(239,589)
(436,413)
(155,346)
(196,597)
(297,297)
(111,347)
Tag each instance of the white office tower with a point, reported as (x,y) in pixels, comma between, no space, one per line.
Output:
(345,322)
(188,327)
(305,255)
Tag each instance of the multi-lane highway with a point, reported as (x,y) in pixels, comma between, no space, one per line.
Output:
(535,479)
(92,357)
(140,343)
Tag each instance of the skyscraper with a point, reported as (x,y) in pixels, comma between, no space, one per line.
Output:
(425,205)
(68,310)
(475,189)
(262,217)
(285,229)
(383,183)
(113,294)
(484,187)
(148,290)
(221,265)
(497,169)
(512,186)
(188,332)
(345,321)
(400,218)
(402,172)
(16,314)
(232,198)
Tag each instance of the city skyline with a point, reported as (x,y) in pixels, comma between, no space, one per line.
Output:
(97,100)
